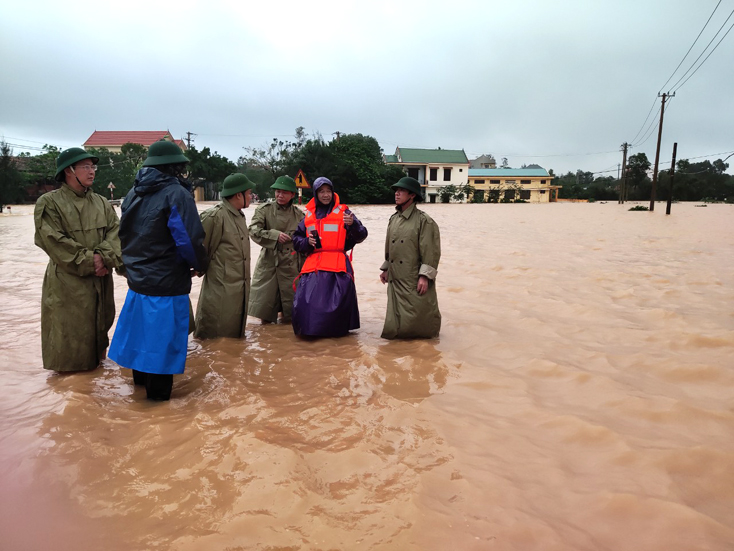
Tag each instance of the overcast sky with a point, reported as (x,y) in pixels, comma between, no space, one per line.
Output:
(562,84)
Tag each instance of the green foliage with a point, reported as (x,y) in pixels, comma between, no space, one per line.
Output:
(11,180)
(208,170)
(447,192)
(352,161)
(639,207)
(478,196)
(118,169)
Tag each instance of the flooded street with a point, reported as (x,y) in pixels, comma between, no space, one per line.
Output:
(580,397)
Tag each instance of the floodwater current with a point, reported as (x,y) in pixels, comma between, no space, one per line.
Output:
(580,397)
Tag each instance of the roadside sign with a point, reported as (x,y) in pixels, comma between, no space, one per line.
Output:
(301,181)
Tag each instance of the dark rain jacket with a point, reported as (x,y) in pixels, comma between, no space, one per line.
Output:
(161,235)
(77,307)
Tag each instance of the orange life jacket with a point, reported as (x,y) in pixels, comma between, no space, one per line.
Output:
(330,257)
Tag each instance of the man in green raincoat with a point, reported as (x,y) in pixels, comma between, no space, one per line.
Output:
(222,307)
(78,231)
(412,252)
(279,264)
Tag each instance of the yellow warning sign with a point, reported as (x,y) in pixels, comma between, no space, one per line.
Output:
(301,180)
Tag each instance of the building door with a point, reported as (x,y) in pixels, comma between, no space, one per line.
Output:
(413,172)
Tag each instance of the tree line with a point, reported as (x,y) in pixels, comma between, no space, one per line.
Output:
(354,162)
(702,181)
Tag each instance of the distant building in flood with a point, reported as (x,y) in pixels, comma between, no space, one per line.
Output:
(113,140)
(433,168)
(533,185)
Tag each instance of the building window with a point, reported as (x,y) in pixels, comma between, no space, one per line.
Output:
(510,182)
(510,194)
(525,194)
(525,182)
(461,170)
(542,181)
(434,174)
(494,181)
(413,172)
(446,174)
(542,191)
(478,181)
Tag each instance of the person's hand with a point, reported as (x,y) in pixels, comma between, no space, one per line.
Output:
(194,273)
(383,276)
(348,219)
(312,241)
(100,270)
(284,238)
(422,285)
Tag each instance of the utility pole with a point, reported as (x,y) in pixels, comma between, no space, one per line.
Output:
(623,182)
(657,152)
(672,173)
(188,139)
(337,134)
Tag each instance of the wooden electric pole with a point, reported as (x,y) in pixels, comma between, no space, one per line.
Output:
(188,139)
(623,182)
(672,173)
(657,152)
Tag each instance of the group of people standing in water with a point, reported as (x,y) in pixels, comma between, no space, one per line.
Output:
(304,274)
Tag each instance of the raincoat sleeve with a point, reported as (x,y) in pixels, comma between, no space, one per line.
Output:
(69,255)
(429,248)
(187,231)
(300,239)
(267,239)
(213,230)
(356,233)
(109,249)
(386,264)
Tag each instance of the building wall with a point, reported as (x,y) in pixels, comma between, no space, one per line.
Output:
(539,192)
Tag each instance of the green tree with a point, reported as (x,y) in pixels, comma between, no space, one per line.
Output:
(118,169)
(11,180)
(447,192)
(637,180)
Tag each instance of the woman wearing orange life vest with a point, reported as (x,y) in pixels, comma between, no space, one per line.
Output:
(325,304)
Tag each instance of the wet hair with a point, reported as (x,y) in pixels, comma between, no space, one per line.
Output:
(176,170)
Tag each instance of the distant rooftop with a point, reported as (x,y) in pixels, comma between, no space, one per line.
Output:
(505,172)
(437,156)
(116,138)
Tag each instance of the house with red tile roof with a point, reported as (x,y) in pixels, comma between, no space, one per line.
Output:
(113,140)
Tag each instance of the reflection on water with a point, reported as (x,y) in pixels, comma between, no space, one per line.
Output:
(579,397)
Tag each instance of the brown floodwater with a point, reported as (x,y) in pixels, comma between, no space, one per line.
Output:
(580,397)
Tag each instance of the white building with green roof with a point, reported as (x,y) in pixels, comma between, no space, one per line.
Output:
(433,168)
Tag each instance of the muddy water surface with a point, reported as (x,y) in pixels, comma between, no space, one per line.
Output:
(580,397)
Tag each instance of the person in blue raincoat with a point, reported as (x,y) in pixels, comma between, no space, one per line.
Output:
(325,303)
(162,247)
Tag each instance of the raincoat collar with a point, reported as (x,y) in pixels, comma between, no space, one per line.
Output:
(230,208)
(407,212)
(79,194)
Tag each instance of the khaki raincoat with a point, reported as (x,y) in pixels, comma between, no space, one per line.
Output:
(77,307)
(222,307)
(412,249)
(278,264)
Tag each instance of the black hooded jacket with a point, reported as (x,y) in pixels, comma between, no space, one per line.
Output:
(161,235)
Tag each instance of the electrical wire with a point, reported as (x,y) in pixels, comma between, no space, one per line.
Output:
(654,102)
(704,61)
(692,45)
(704,51)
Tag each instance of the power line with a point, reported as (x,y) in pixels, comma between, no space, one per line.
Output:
(704,61)
(692,45)
(654,103)
(703,52)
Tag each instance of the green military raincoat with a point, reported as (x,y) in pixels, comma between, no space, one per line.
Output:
(77,307)
(278,265)
(222,307)
(412,249)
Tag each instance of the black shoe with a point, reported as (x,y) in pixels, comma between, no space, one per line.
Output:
(139,377)
(158,387)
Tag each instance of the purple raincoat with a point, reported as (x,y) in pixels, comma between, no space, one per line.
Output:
(325,304)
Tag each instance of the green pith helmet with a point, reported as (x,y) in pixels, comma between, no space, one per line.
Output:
(411,184)
(69,157)
(234,183)
(285,183)
(164,153)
